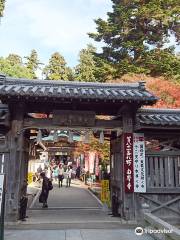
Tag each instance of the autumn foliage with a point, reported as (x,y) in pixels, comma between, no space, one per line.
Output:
(167,91)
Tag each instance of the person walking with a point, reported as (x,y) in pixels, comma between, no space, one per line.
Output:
(68,176)
(48,172)
(55,173)
(60,175)
(23,202)
(39,171)
(45,190)
(78,172)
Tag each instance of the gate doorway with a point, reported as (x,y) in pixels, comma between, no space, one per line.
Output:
(42,105)
(84,148)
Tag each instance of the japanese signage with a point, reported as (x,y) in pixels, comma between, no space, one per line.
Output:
(73,118)
(128,163)
(139,163)
(105,193)
(1,191)
(134,163)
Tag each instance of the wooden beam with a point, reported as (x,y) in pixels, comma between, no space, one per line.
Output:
(163,153)
(163,190)
(162,205)
(47,123)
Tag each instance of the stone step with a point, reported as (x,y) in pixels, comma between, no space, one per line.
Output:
(71,225)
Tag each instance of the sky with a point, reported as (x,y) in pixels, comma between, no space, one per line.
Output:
(49,26)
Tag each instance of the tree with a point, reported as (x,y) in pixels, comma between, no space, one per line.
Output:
(159,61)
(104,70)
(56,69)
(103,150)
(85,70)
(167,91)
(32,63)
(133,28)
(70,74)
(2,6)
(15,70)
(14,59)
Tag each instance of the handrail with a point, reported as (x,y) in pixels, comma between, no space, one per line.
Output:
(158,223)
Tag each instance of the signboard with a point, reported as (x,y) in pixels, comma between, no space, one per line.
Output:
(30,177)
(105,193)
(139,163)
(128,163)
(73,118)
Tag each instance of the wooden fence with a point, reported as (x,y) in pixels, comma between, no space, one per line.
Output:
(163,171)
(163,185)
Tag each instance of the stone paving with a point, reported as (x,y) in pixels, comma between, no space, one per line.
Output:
(75,196)
(75,234)
(73,214)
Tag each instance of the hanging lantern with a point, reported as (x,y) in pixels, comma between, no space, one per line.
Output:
(55,136)
(70,137)
(101,139)
(39,136)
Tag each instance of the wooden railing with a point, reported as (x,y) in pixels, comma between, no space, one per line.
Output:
(163,185)
(163,172)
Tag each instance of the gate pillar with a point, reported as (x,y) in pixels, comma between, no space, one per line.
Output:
(128,206)
(14,169)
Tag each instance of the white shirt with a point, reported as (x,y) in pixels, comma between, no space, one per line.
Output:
(69,173)
(48,173)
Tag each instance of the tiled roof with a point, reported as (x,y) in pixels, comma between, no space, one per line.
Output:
(20,88)
(158,117)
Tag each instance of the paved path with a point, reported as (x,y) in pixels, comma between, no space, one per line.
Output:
(75,196)
(75,234)
(73,214)
(74,207)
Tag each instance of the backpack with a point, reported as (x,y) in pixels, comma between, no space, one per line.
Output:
(50,186)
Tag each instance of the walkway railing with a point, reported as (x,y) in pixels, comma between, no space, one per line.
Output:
(160,229)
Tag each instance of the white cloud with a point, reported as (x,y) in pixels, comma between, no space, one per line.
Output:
(63,27)
(57,25)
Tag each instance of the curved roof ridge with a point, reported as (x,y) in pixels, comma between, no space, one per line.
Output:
(159,110)
(48,90)
(11,81)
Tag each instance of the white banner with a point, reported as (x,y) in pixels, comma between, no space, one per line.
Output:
(1,190)
(139,163)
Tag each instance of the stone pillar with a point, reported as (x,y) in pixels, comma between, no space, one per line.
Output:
(15,140)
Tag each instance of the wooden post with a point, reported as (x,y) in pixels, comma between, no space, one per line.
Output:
(14,171)
(26,154)
(128,207)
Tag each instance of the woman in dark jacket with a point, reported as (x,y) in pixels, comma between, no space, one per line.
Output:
(45,190)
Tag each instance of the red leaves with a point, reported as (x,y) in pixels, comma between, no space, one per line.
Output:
(167,91)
